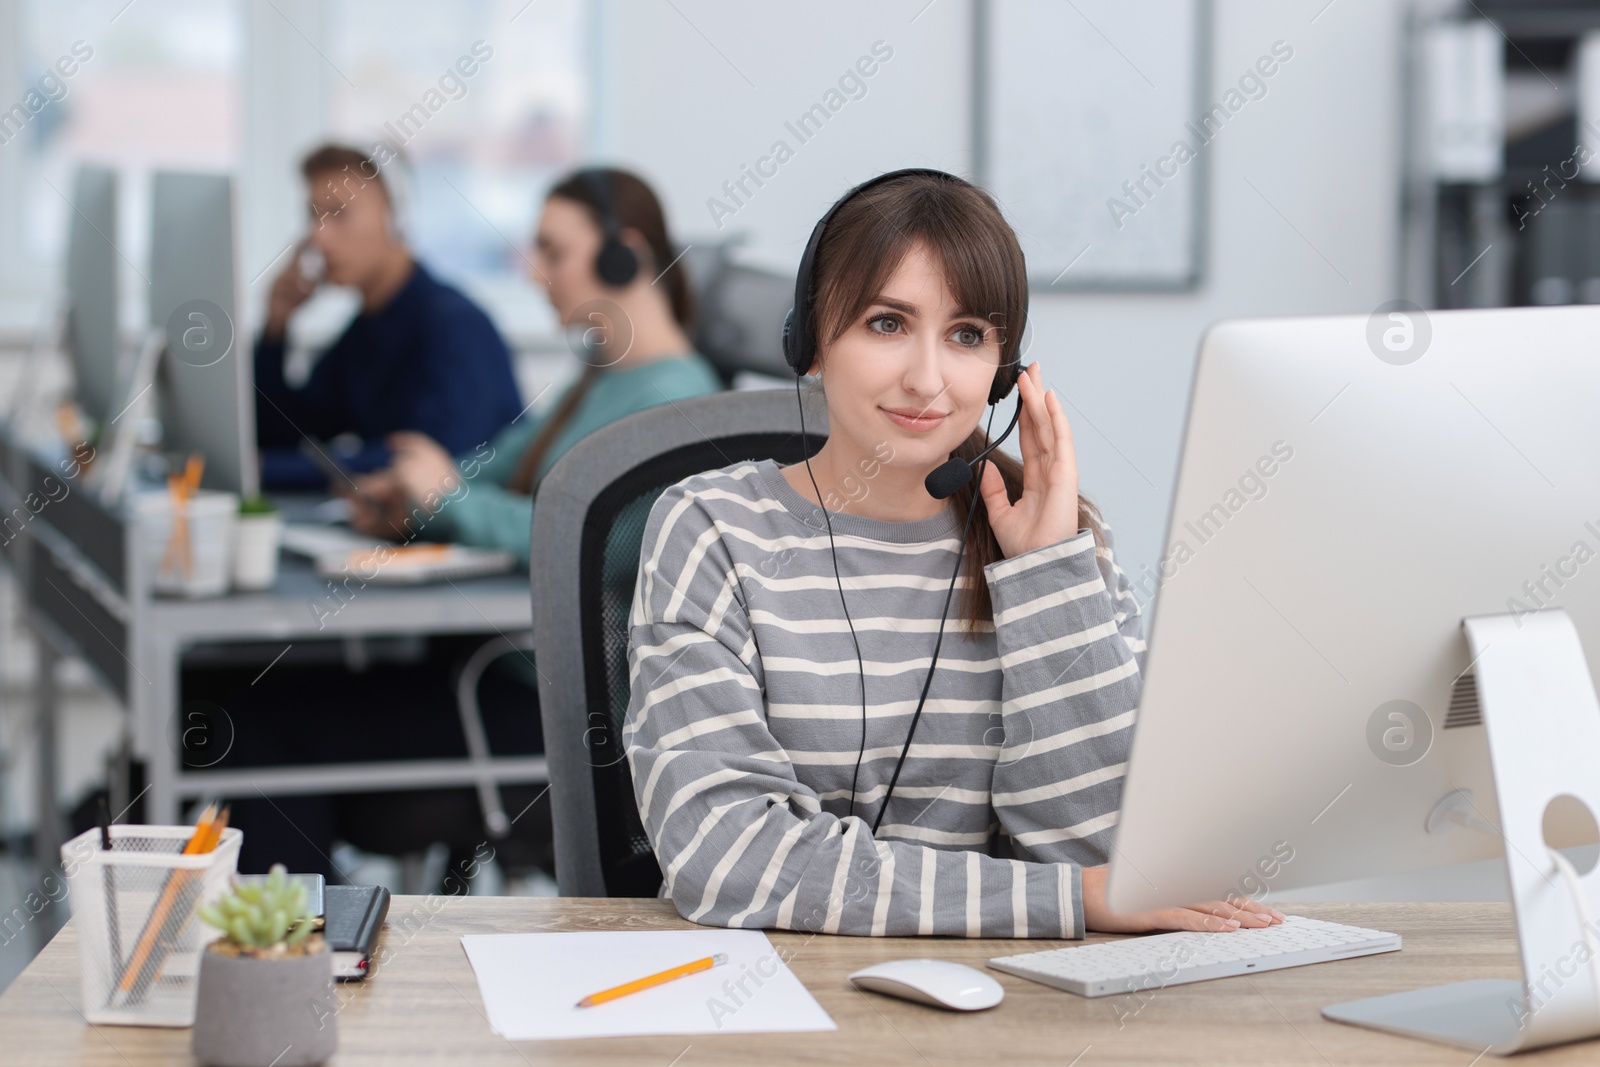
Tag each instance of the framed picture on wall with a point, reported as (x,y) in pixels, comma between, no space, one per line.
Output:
(1092,130)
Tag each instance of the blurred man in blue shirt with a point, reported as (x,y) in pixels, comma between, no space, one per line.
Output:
(419,356)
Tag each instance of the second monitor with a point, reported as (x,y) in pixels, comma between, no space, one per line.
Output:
(206,377)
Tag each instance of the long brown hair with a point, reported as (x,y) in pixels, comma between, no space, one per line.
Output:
(984,268)
(635,207)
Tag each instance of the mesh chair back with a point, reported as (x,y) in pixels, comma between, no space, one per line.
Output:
(740,312)
(588,527)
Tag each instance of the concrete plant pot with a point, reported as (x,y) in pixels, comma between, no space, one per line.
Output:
(266,1011)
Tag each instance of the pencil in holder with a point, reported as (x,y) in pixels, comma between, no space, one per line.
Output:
(134,912)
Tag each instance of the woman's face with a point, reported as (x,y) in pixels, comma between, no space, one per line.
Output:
(565,247)
(913,370)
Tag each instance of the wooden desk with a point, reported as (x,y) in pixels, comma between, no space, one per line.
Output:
(422,1006)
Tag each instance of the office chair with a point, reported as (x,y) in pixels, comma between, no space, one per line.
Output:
(588,522)
(739,313)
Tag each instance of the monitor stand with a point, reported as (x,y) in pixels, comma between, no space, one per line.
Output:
(1543,727)
(111,476)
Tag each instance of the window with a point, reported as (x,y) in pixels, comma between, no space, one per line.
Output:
(164,86)
(487,98)
(152,85)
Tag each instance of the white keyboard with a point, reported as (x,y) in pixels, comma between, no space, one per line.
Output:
(1155,960)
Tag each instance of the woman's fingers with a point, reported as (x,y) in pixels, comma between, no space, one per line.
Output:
(1213,916)
(1065,450)
(1241,910)
(993,487)
(1047,437)
(1247,906)
(1027,443)
(365,518)
(1187,919)
(1257,908)
(1040,421)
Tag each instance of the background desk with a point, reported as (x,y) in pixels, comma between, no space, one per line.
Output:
(422,1006)
(83,578)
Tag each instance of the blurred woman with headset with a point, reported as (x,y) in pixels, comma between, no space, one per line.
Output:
(807,750)
(605,260)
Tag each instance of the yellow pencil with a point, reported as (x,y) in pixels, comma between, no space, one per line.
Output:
(653,980)
(145,962)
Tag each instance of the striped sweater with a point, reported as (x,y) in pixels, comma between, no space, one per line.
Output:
(744,723)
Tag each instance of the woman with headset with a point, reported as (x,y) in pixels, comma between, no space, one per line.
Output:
(604,256)
(809,748)
(607,264)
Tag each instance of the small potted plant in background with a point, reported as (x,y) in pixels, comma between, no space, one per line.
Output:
(266,985)
(257,535)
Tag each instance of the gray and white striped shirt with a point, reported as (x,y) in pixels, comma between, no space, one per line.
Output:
(744,722)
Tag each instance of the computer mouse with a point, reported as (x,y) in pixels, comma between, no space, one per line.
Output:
(940,983)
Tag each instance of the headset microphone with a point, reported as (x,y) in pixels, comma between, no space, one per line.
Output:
(949,477)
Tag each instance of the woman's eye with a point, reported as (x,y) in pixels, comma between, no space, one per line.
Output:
(884,324)
(970,336)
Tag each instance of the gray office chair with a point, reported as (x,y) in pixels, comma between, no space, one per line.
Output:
(739,312)
(588,522)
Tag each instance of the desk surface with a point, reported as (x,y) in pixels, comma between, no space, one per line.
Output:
(499,602)
(422,1006)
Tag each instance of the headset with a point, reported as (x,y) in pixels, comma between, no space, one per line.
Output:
(616,264)
(944,481)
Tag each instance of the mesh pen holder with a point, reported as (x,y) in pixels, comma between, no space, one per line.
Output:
(139,939)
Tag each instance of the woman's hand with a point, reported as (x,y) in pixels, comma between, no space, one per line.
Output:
(1047,511)
(423,469)
(378,506)
(1214,915)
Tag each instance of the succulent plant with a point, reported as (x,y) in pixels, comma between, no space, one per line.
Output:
(261,914)
(257,505)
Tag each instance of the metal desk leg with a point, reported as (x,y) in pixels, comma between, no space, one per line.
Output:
(119,788)
(49,830)
(160,712)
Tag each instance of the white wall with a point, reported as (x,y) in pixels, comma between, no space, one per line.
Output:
(696,88)
(692,96)
(285,118)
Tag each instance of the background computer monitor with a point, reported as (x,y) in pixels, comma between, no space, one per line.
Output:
(1349,489)
(205,380)
(91,291)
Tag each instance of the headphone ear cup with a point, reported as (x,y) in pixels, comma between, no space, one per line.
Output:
(1005,380)
(788,339)
(616,263)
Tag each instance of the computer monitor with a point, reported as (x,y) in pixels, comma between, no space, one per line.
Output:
(1349,491)
(91,292)
(206,381)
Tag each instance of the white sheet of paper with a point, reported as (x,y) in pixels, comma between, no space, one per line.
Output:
(531,984)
